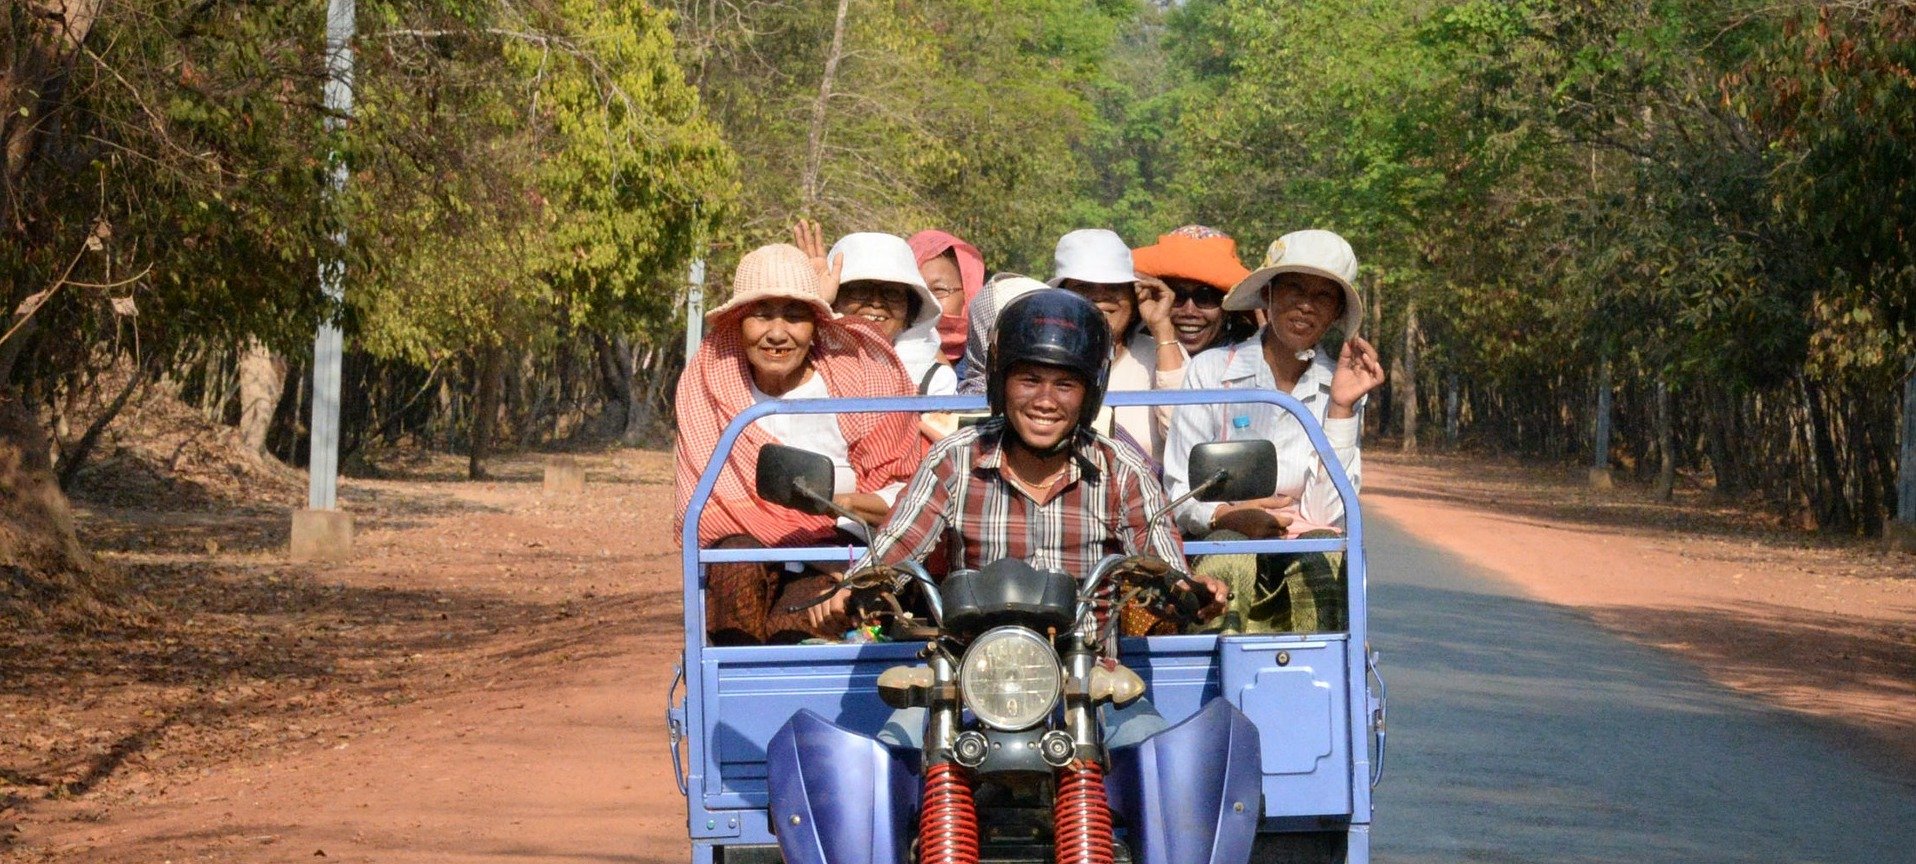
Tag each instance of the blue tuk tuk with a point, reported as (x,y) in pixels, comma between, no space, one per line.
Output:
(1315,700)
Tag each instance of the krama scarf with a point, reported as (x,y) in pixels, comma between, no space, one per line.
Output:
(926,245)
(716,386)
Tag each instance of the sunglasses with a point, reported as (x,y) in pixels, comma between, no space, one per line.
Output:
(1203,298)
(860,296)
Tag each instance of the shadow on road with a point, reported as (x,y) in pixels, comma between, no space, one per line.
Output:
(1522,732)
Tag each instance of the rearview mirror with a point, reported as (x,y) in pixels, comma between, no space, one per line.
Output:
(1232,470)
(795,478)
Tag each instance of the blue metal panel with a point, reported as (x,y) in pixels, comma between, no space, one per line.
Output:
(1300,710)
(1179,672)
(710,811)
(1189,793)
(753,691)
(840,797)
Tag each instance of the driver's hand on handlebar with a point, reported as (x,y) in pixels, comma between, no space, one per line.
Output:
(816,616)
(868,506)
(1258,518)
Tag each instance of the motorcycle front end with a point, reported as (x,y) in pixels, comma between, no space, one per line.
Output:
(1011,705)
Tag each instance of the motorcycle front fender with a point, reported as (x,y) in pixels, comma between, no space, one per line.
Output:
(838,797)
(1190,794)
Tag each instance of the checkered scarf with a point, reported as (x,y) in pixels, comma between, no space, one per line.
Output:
(855,362)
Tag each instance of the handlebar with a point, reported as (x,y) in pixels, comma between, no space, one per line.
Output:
(883,578)
(1188,595)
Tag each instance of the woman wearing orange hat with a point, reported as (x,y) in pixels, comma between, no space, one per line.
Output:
(1199,265)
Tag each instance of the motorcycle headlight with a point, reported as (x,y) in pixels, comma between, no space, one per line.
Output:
(1010,678)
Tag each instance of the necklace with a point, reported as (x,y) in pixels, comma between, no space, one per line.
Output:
(1037,488)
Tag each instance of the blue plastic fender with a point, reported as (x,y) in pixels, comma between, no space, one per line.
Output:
(838,797)
(1189,794)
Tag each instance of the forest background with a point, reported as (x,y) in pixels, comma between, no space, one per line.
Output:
(1672,237)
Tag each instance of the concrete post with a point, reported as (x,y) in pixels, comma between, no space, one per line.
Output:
(329,534)
(694,307)
(564,477)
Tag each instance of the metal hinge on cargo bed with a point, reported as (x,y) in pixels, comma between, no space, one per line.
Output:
(675,723)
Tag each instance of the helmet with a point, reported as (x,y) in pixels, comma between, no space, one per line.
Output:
(1052,327)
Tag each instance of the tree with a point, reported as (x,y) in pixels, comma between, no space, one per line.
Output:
(584,179)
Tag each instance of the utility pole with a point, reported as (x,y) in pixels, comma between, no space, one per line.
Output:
(694,307)
(322,530)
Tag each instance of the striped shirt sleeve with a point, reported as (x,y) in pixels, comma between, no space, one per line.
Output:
(919,518)
(1141,534)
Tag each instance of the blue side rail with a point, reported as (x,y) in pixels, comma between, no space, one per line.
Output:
(711,814)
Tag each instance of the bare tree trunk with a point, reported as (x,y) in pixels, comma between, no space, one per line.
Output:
(262,380)
(1405,373)
(1902,528)
(73,459)
(815,138)
(36,522)
(1600,446)
(638,407)
(485,411)
(43,38)
(1826,488)
(1453,409)
(1666,445)
(1723,435)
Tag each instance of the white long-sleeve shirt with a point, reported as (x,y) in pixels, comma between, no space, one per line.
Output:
(1300,475)
(1136,368)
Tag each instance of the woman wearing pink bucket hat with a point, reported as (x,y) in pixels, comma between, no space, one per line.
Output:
(776,338)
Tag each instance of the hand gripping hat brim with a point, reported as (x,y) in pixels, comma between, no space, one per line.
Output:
(1316,252)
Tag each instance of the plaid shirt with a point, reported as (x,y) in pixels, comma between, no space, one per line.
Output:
(962,498)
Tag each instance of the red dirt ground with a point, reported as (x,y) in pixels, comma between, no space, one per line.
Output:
(486,680)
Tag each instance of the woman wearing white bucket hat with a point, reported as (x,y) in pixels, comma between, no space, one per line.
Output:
(1146,355)
(880,285)
(1305,287)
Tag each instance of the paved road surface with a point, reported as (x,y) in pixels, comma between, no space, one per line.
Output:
(1520,732)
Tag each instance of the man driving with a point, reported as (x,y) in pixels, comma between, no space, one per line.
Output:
(1034,481)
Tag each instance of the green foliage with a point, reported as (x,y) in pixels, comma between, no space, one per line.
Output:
(1711,193)
(1715,195)
(973,116)
(530,177)
(182,148)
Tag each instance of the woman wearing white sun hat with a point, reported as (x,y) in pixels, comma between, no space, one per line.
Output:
(1305,287)
(882,286)
(1096,264)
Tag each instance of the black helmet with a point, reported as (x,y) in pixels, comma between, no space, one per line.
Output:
(1052,327)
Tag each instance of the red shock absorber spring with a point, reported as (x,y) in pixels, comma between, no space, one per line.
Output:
(948,822)
(1081,817)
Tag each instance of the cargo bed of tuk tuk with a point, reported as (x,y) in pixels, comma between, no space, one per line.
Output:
(1319,718)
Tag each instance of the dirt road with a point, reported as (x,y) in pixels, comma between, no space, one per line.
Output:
(485,681)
